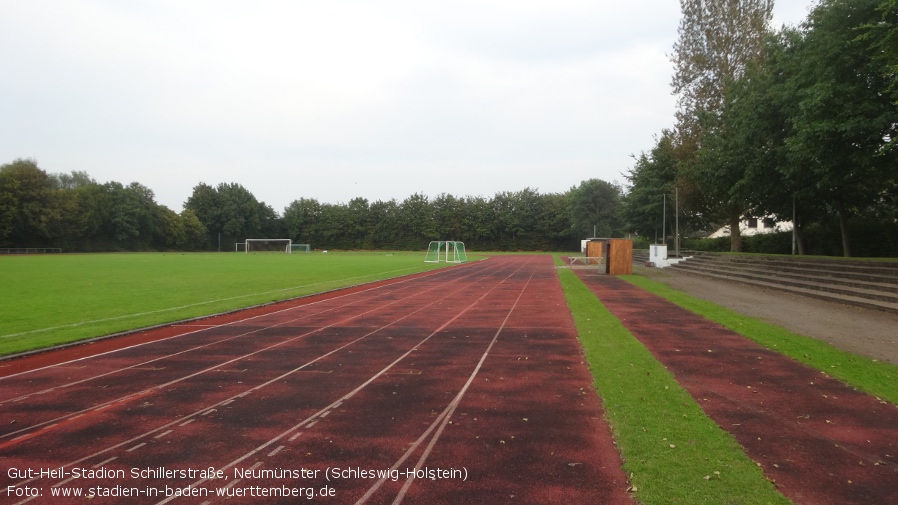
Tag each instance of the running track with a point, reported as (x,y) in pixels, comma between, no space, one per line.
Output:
(819,440)
(471,373)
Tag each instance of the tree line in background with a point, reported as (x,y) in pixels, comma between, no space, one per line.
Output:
(800,121)
(76,213)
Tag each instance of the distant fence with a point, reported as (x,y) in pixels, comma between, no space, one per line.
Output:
(29,250)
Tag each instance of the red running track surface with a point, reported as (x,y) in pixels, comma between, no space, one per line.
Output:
(464,385)
(818,440)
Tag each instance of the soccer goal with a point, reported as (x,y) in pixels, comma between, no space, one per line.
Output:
(267,245)
(449,251)
(306,248)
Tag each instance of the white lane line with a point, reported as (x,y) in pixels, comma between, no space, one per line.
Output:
(397,283)
(442,420)
(207,302)
(192,417)
(101,463)
(311,419)
(138,446)
(275,451)
(159,387)
(294,437)
(164,433)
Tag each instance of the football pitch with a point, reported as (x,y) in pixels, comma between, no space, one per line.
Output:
(48,300)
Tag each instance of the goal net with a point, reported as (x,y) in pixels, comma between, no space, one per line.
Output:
(306,248)
(267,245)
(449,251)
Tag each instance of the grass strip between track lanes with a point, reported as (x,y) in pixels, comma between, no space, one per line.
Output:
(875,377)
(672,451)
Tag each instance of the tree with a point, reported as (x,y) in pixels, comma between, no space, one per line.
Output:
(231,213)
(651,179)
(130,217)
(595,208)
(301,218)
(883,35)
(553,224)
(717,40)
(194,231)
(26,204)
(357,222)
(74,180)
(844,119)
(417,221)
(384,219)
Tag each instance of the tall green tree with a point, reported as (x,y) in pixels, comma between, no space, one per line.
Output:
(384,227)
(27,208)
(595,209)
(652,180)
(844,119)
(301,219)
(717,40)
(231,213)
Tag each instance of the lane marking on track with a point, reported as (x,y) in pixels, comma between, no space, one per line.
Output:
(400,285)
(442,419)
(192,417)
(164,433)
(62,421)
(207,302)
(138,446)
(396,282)
(311,420)
(101,463)
(275,451)
(159,387)
(185,351)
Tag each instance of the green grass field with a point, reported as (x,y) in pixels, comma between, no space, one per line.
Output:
(52,299)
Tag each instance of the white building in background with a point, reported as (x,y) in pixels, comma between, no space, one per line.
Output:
(755,226)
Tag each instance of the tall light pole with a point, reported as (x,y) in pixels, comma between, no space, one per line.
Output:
(664,220)
(677,220)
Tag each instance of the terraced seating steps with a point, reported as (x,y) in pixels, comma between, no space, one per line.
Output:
(870,284)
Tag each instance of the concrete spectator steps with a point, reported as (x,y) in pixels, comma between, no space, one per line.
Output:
(869,284)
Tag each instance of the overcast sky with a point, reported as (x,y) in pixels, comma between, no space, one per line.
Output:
(338,99)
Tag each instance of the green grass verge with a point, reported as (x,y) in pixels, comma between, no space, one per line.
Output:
(52,299)
(875,377)
(673,452)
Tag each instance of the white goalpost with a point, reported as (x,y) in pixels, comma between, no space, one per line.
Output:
(265,245)
(450,251)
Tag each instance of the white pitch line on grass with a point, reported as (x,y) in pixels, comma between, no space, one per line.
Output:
(187,419)
(157,387)
(170,309)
